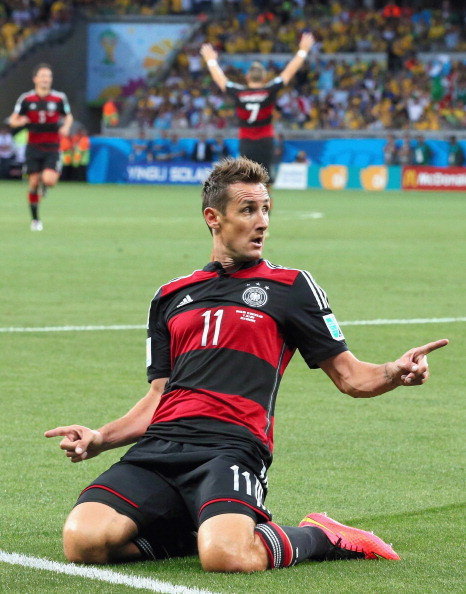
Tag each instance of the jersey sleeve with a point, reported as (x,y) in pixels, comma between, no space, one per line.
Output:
(20,105)
(158,342)
(311,326)
(66,109)
(232,89)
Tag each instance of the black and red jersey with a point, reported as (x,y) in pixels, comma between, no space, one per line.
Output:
(225,340)
(254,108)
(45,114)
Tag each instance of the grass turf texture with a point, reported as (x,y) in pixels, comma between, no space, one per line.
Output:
(392,464)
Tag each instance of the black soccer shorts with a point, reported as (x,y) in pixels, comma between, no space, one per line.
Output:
(260,151)
(170,488)
(38,159)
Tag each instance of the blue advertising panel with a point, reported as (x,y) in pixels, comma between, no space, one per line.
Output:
(334,164)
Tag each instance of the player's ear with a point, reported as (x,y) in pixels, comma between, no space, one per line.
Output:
(212,217)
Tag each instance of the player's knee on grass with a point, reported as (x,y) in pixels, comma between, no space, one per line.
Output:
(227,543)
(95,533)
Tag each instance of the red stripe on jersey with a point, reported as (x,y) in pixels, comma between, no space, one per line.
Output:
(229,408)
(113,493)
(265,271)
(234,327)
(262,270)
(179,283)
(256,132)
(44,111)
(46,138)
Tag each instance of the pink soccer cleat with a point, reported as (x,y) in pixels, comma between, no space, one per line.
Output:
(348,542)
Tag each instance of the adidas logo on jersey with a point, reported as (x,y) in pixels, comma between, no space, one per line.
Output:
(185,301)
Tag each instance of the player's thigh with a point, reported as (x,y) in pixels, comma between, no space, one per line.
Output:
(51,168)
(33,161)
(93,522)
(154,506)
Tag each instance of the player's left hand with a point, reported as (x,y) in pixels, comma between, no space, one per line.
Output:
(412,368)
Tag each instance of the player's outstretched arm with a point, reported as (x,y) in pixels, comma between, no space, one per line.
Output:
(305,44)
(81,443)
(211,58)
(365,380)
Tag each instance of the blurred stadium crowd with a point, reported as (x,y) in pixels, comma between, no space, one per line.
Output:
(396,88)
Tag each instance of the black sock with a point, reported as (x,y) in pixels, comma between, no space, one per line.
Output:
(34,211)
(288,545)
(145,547)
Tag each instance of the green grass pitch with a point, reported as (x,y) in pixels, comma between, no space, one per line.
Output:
(393,464)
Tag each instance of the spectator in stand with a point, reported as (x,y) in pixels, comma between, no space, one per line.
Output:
(140,149)
(390,151)
(203,150)
(422,152)
(7,152)
(405,152)
(177,148)
(110,115)
(301,157)
(161,147)
(220,149)
(455,153)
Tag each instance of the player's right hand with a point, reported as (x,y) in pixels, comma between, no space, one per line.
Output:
(208,52)
(307,41)
(79,442)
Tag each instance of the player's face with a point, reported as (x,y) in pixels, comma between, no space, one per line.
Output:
(43,79)
(244,224)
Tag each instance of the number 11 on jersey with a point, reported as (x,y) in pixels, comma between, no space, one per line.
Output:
(218,322)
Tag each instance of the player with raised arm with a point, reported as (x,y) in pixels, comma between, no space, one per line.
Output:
(255,102)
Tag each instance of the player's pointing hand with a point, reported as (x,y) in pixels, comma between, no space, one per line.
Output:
(412,368)
(79,443)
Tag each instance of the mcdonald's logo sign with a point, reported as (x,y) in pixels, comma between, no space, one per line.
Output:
(409,178)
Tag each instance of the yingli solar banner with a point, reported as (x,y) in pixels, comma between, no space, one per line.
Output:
(433,178)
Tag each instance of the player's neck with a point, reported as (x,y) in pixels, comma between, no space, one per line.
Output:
(42,92)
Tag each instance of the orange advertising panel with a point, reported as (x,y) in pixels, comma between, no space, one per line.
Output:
(433,178)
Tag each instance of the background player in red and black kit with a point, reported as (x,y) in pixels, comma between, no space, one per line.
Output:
(47,115)
(255,101)
(218,343)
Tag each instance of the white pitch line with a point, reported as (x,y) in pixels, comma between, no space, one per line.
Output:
(103,575)
(73,328)
(381,322)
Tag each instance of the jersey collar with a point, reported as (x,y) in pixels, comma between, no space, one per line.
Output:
(217,267)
